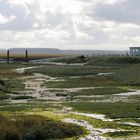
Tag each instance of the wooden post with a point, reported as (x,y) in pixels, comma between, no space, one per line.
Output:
(8,54)
(26,57)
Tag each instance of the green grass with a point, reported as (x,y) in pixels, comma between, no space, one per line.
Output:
(105,91)
(13,108)
(9,86)
(14,85)
(130,120)
(83,82)
(65,71)
(118,60)
(8,81)
(123,134)
(111,110)
(39,104)
(124,69)
(121,76)
(125,72)
(4,96)
(7,70)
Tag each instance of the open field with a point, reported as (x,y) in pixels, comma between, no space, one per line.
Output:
(95,98)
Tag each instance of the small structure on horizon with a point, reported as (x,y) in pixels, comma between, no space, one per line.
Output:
(135,51)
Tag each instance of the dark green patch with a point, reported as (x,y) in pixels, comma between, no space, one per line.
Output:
(122,134)
(22,97)
(36,128)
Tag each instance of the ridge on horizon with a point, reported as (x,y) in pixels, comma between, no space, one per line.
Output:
(61,51)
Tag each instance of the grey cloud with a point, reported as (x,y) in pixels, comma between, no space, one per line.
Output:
(127,11)
(21,22)
(94,32)
(25,21)
(58,19)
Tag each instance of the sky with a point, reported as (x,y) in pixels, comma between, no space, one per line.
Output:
(70,24)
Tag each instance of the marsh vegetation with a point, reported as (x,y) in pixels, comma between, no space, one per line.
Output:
(98,99)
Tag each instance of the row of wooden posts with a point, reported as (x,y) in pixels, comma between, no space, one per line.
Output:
(8,56)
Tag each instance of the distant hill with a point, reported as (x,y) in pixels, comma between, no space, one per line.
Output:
(35,50)
(58,51)
(2,51)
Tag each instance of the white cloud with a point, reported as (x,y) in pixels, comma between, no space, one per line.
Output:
(67,24)
(20,2)
(122,11)
(6,19)
(35,25)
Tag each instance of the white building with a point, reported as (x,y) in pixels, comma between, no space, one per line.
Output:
(135,51)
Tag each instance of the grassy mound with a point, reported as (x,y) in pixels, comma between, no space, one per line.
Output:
(72,60)
(36,128)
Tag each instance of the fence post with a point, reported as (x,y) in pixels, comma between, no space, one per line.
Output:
(26,57)
(8,54)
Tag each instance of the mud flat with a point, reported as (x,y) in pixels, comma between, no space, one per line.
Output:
(94,133)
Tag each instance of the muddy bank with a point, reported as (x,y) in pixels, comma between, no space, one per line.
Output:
(22,70)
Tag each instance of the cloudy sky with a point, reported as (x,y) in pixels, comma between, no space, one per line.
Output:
(70,24)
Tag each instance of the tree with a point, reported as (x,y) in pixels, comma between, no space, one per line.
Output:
(82,57)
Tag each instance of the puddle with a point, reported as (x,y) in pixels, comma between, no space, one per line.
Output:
(22,70)
(137,92)
(103,74)
(95,116)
